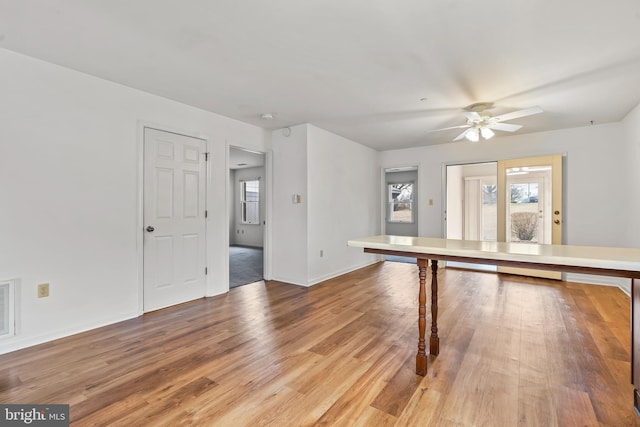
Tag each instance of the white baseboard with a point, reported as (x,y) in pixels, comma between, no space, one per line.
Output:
(290,281)
(622,283)
(320,279)
(17,342)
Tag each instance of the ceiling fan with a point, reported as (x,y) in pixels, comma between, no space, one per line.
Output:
(481,124)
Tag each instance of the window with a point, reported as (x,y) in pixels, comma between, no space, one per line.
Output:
(250,201)
(489,210)
(400,202)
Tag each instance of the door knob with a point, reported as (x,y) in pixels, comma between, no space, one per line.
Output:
(150,229)
(556,221)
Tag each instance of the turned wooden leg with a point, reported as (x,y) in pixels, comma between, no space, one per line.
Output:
(635,342)
(421,357)
(434,340)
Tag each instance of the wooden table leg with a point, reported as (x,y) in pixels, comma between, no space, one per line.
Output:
(434,340)
(635,342)
(421,357)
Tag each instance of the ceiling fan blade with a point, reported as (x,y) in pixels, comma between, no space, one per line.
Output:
(472,115)
(507,127)
(462,135)
(449,128)
(517,114)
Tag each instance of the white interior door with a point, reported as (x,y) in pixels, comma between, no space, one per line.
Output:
(174,219)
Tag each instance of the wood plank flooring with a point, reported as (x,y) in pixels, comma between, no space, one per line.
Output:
(513,352)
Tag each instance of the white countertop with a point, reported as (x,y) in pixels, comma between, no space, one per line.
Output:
(626,259)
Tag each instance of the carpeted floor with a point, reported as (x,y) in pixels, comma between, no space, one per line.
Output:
(245,265)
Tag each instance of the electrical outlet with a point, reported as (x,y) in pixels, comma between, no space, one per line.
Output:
(321,253)
(43,290)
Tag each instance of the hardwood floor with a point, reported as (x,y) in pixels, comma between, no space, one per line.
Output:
(513,351)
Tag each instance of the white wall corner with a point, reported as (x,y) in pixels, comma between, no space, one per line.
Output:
(321,279)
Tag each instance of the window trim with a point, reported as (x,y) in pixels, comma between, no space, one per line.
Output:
(243,202)
(390,203)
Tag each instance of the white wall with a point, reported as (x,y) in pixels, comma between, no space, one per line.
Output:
(337,180)
(289,223)
(631,125)
(594,186)
(248,234)
(69,171)
(343,203)
(596,191)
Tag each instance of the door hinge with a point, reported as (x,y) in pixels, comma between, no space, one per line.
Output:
(206,270)
(206,213)
(206,157)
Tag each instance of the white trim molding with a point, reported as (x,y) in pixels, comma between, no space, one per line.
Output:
(590,279)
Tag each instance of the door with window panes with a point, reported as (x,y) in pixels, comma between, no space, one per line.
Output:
(530,205)
(401,203)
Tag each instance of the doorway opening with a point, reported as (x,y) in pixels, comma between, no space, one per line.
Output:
(515,201)
(471,207)
(247,210)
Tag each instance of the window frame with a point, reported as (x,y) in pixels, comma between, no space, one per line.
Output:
(391,203)
(244,202)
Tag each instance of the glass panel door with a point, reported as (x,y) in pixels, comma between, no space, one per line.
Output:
(402,194)
(530,205)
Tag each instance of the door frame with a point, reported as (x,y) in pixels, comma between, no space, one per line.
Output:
(142,125)
(557,205)
(268,203)
(444,213)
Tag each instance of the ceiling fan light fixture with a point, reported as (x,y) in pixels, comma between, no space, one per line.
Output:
(487,133)
(482,125)
(473,135)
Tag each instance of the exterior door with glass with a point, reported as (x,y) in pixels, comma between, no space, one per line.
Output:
(530,205)
(402,204)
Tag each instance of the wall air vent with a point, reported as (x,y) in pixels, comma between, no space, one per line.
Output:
(7,321)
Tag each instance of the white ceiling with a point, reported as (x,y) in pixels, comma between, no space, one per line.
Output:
(357,68)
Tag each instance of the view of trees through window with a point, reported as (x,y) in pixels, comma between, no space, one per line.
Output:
(524,193)
(250,201)
(401,202)
(489,219)
(524,212)
(489,194)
